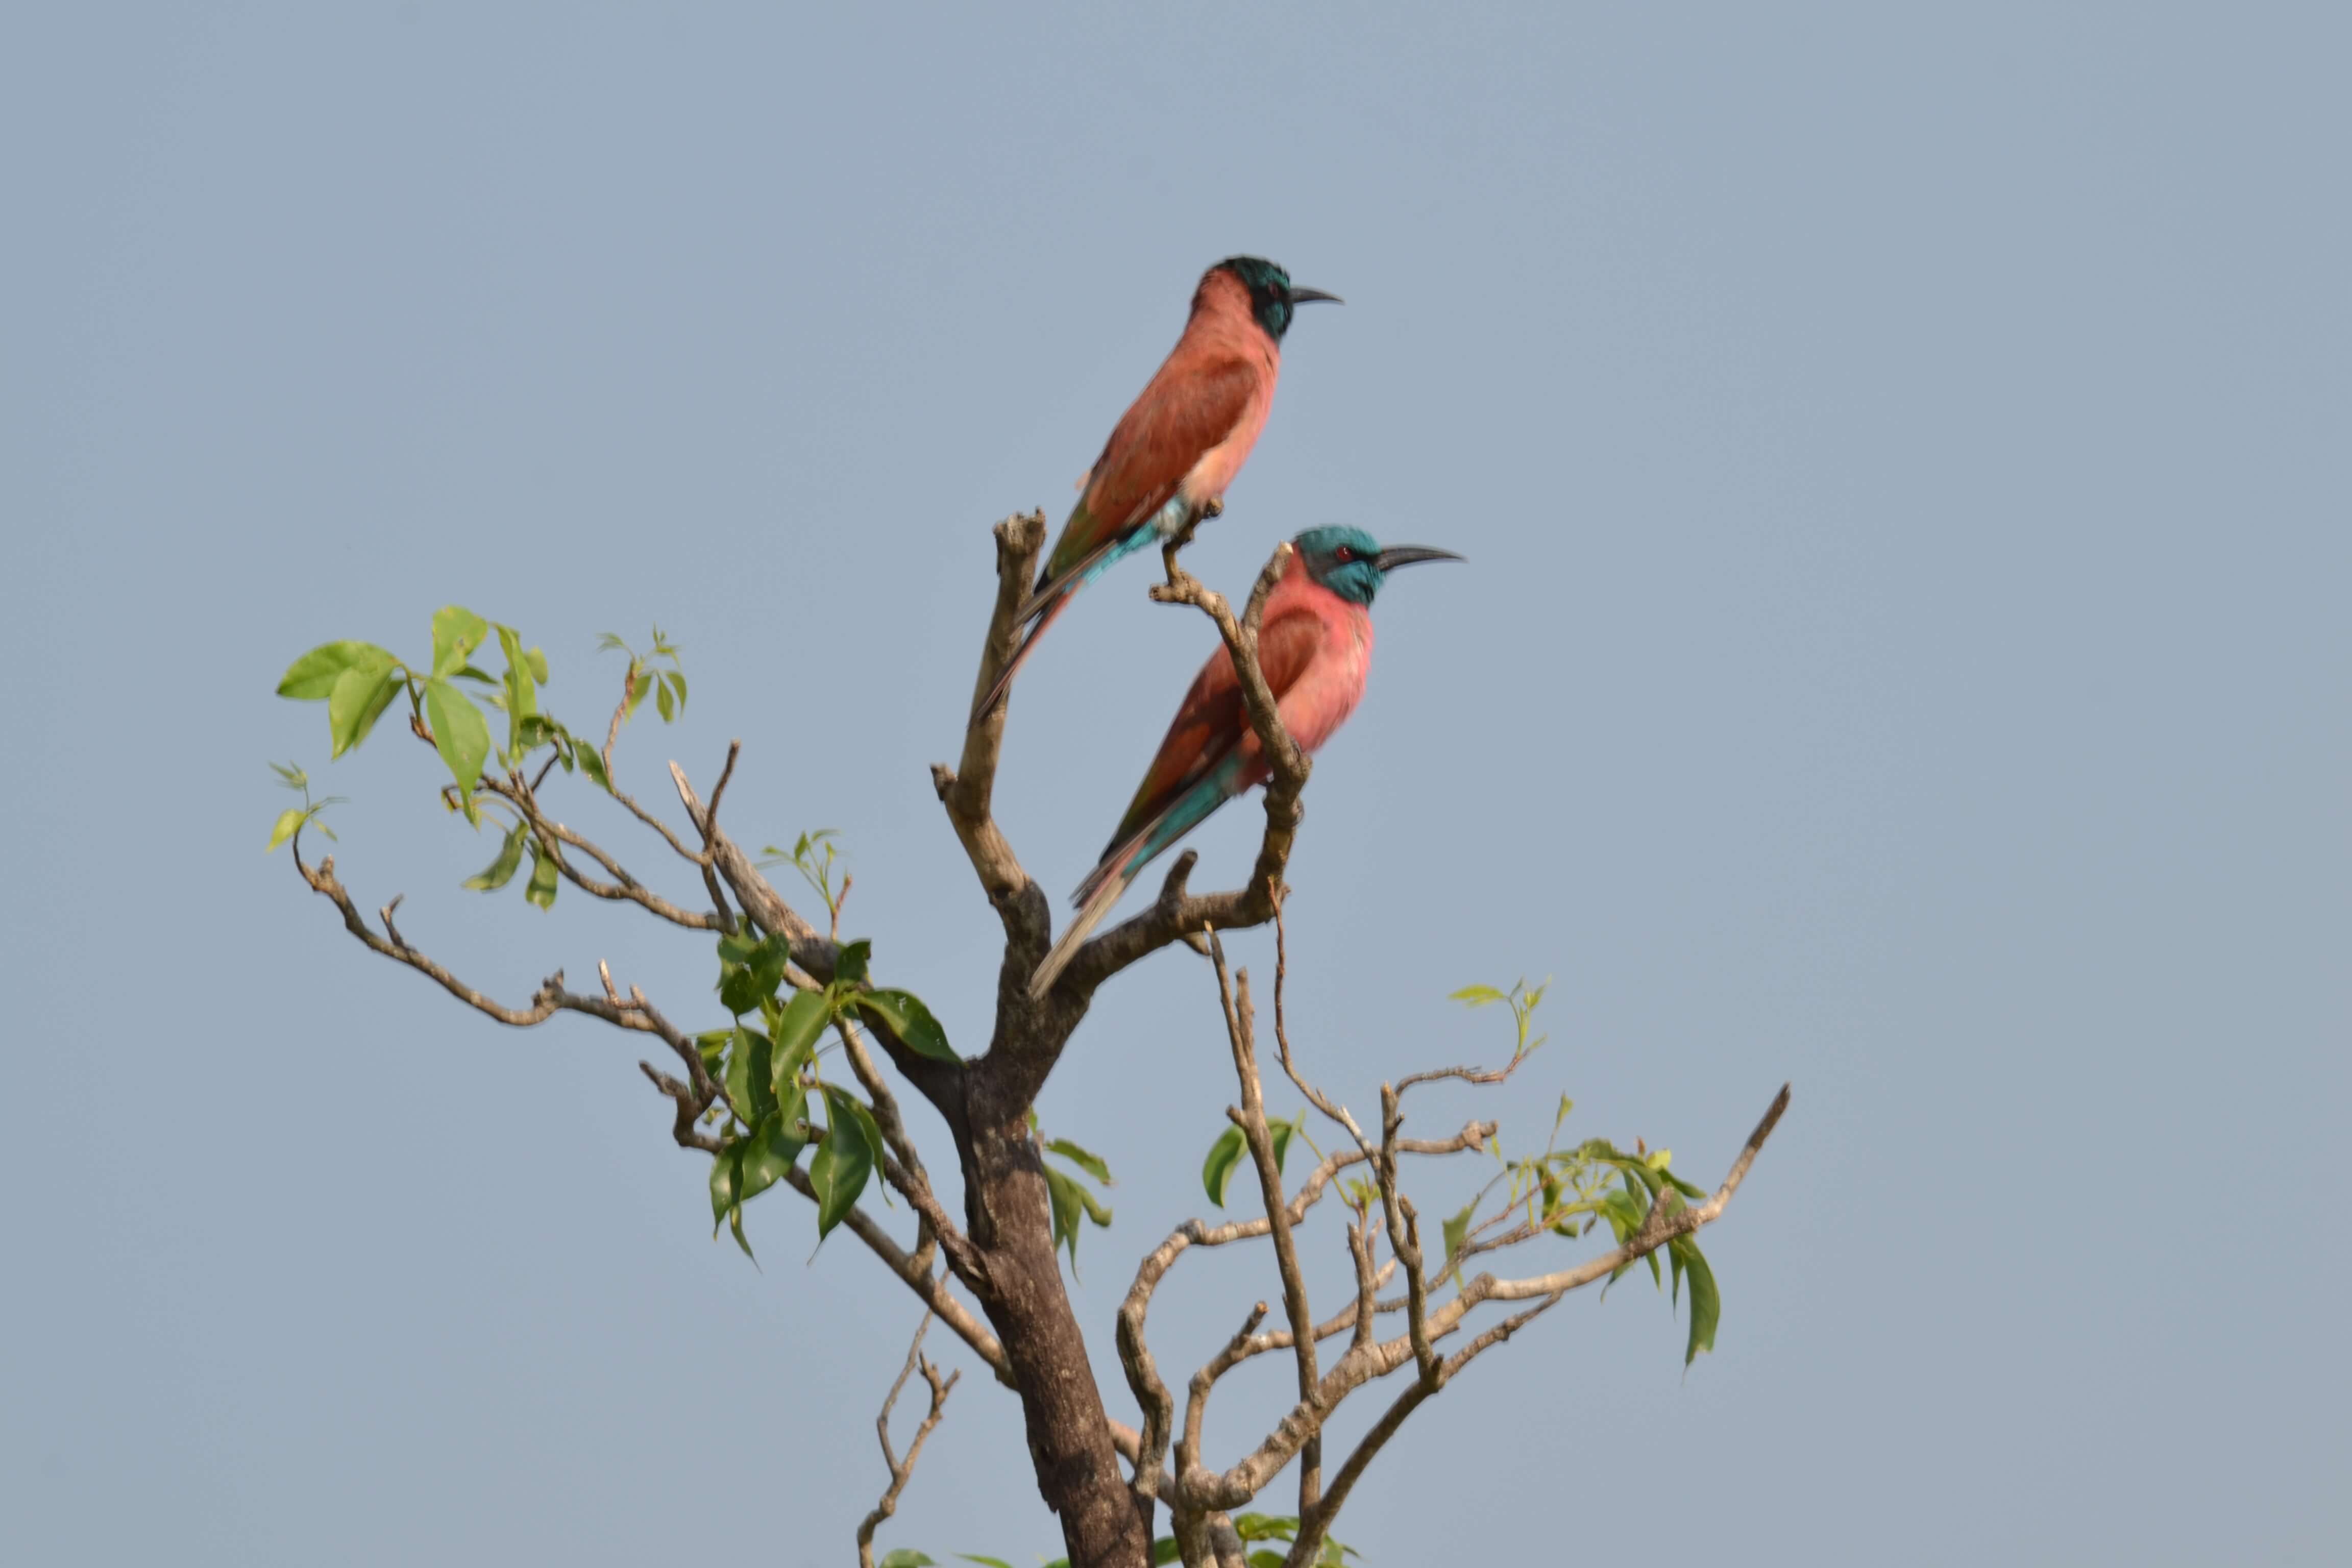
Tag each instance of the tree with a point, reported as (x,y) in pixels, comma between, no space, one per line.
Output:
(754,1096)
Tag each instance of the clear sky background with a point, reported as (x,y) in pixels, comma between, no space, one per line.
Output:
(1903,461)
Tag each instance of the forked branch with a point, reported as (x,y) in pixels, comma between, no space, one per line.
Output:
(903,1470)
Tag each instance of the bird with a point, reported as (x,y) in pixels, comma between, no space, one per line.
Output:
(1178,445)
(1314,647)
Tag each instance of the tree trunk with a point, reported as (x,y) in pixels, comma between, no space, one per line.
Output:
(1077,1469)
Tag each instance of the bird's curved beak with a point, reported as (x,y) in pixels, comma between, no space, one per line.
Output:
(1397,555)
(1309,296)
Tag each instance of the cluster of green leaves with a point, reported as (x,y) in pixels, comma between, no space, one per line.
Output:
(1071,1201)
(1523,1004)
(1285,1527)
(1250,1527)
(666,687)
(294,818)
(768,1062)
(358,680)
(813,857)
(1225,1155)
(1570,1191)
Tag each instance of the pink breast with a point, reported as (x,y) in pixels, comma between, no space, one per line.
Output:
(1313,708)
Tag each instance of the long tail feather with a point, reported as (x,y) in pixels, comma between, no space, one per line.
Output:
(1004,681)
(1105,894)
(1123,861)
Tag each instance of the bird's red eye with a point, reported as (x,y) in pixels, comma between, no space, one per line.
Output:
(1345,552)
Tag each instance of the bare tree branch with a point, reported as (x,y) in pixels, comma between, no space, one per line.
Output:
(968,791)
(548,1000)
(1335,1113)
(1250,1118)
(901,1471)
(1244,1479)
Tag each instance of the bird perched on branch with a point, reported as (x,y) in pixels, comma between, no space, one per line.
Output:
(1172,455)
(1315,648)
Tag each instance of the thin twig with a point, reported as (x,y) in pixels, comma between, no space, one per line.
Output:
(1251,1118)
(1315,1097)
(623,888)
(901,1471)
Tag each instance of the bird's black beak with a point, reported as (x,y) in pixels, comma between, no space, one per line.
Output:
(1309,296)
(1397,555)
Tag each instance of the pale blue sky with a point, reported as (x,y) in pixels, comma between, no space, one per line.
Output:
(1903,464)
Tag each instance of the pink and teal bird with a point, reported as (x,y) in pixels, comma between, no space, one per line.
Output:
(1172,455)
(1315,645)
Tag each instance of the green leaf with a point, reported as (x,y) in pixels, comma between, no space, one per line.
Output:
(1063,1189)
(1707,1301)
(839,1101)
(1457,1235)
(712,1043)
(1624,1216)
(1165,1550)
(804,1019)
(768,1151)
(1268,1557)
(984,1562)
(521,693)
(849,964)
(726,1178)
(592,762)
(1086,1160)
(756,974)
(1070,1199)
(1478,995)
(1282,1132)
(665,701)
(677,682)
(540,889)
(843,1162)
(906,1557)
(642,689)
(458,732)
(908,1019)
(500,871)
(313,676)
(1224,1155)
(356,701)
(457,633)
(750,1080)
(288,821)
(537,661)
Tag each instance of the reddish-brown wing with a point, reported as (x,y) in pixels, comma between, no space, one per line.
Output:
(1213,720)
(1189,407)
